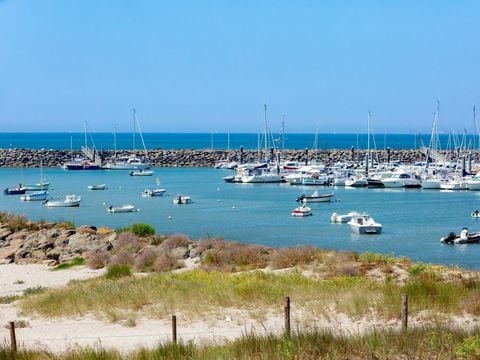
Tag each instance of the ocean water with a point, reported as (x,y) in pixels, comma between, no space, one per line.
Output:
(225,141)
(413,220)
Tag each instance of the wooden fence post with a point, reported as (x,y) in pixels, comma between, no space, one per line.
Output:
(287,316)
(13,338)
(174,329)
(404,311)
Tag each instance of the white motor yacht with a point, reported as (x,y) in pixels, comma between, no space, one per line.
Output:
(364,224)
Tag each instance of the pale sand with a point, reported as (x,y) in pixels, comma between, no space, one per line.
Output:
(63,333)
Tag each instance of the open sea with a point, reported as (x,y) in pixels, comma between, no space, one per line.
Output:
(225,141)
(413,220)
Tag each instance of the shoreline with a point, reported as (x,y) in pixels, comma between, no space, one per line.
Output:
(31,158)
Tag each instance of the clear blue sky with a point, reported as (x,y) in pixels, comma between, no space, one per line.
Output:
(205,66)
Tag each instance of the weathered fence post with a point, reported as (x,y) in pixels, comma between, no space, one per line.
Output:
(174,329)
(404,312)
(287,316)
(13,338)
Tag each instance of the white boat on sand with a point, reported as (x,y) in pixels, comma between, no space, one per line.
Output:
(364,224)
(71,200)
(122,209)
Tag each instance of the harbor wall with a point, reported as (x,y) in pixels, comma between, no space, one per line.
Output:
(14,158)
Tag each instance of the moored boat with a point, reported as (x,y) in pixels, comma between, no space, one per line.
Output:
(71,200)
(182,200)
(141,173)
(97,187)
(37,187)
(122,209)
(464,238)
(16,190)
(315,197)
(35,196)
(302,211)
(153,192)
(364,224)
(342,218)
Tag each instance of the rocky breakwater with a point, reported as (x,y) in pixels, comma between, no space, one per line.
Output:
(208,158)
(50,243)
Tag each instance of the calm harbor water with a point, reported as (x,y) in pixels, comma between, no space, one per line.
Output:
(413,220)
(105,141)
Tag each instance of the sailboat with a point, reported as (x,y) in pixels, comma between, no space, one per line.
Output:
(132,162)
(40,186)
(91,161)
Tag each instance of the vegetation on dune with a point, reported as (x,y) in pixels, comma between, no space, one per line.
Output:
(423,343)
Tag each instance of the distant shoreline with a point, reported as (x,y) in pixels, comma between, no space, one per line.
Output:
(26,158)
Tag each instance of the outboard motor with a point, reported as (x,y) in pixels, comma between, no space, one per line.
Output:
(449,238)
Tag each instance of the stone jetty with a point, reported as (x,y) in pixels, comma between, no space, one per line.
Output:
(14,158)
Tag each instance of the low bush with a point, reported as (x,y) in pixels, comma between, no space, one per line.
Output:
(143,230)
(175,240)
(165,262)
(67,265)
(127,241)
(292,256)
(117,271)
(145,259)
(98,259)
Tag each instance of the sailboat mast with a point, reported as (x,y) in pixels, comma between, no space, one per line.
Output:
(114,141)
(85,131)
(134,127)
(265,132)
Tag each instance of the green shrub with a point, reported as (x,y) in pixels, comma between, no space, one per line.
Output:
(470,347)
(143,230)
(417,268)
(75,262)
(117,271)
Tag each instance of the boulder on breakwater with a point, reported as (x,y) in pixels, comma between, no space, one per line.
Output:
(15,158)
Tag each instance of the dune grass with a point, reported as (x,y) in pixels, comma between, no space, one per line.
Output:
(159,295)
(422,343)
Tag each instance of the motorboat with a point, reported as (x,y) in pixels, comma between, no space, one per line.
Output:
(302,211)
(262,176)
(35,196)
(71,200)
(315,197)
(16,190)
(475,214)
(122,209)
(364,224)
(97,187)
(355,181)
(342,218)
(178,200)
(141,173)
(465,238)
(454,184)
(402,180)
(153,192)
(226,164)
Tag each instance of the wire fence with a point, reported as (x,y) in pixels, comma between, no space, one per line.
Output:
(402,309)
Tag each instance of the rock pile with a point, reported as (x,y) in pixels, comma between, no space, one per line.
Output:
(208,158)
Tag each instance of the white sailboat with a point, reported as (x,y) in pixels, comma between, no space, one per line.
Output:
(132,162)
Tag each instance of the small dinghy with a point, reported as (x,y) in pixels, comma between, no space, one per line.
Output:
(302,211)
(153,192)
(178,200)
(475,214)
(71,200)
(122,209)
(141,173)
(97,187)
(464,238)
